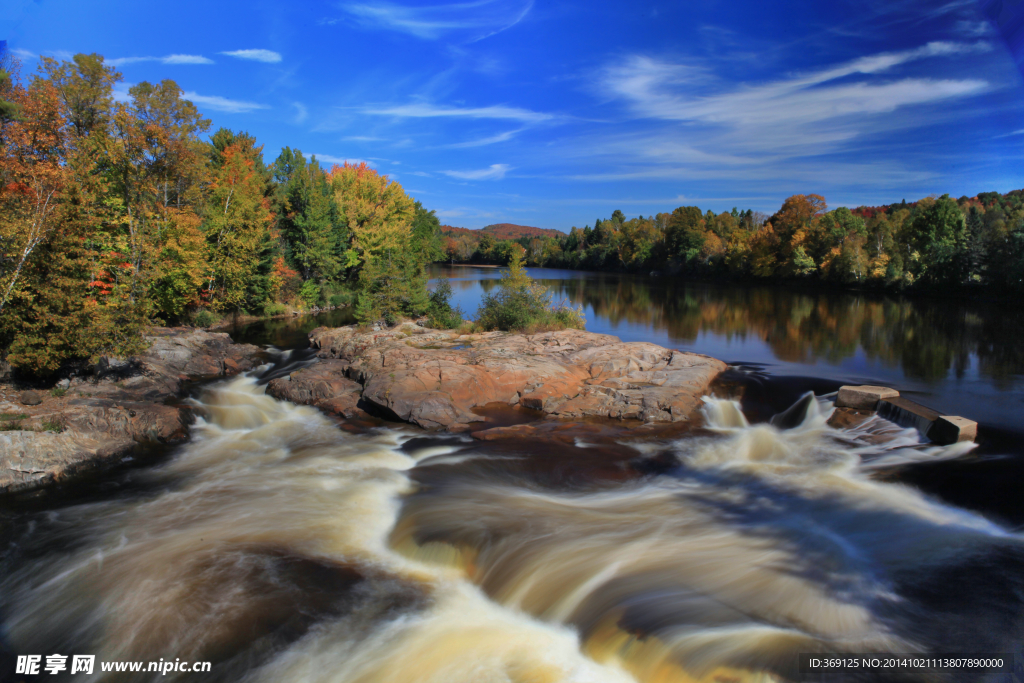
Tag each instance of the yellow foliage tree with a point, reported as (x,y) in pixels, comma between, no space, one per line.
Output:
(378,212)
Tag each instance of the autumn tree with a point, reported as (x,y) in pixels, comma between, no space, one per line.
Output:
(237,230)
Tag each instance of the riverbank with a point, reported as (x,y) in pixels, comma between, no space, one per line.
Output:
(108,412)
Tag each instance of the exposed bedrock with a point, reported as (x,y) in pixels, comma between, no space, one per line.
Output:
(96,418)
(435,379)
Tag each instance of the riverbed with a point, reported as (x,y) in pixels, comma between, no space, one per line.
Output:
(280,545)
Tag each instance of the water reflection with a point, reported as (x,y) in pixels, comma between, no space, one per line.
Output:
(933,346)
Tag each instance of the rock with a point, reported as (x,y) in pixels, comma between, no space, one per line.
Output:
(32,398)
(794,415)
(324,381)
(863,397)
(29,460)
(127,402)
(949,429)
(435,379)
(64,384)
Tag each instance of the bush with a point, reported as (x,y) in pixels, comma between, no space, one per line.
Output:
(441,314)
(310,293)
(204,318)
(520,304)
(273,309)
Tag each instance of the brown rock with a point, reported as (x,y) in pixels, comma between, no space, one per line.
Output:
(29,460)
(32,398)
(435,379)
(321,381)
(864,397)
(123,405)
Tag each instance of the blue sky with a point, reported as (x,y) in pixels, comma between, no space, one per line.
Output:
(556,113)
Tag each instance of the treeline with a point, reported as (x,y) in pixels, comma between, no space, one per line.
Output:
(936,242)
(115,215)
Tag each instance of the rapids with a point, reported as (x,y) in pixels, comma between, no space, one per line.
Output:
(282,548)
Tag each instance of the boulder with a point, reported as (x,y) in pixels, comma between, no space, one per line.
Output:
(436,378)
(29,460)
(323,385)
(32,398)
(864,397)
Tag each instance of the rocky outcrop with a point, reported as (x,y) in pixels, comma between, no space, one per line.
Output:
(436,378)
(323,385)
(93,420)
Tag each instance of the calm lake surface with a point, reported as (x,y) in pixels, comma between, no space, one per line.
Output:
(279,544)
(959,358)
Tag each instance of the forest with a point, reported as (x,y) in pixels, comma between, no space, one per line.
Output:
(934,243)
(117,213)
(120,213)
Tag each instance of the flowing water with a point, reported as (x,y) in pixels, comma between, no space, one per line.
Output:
(281,547)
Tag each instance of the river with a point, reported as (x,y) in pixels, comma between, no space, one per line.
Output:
(280,547)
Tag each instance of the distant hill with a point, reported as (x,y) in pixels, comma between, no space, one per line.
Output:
(504,231)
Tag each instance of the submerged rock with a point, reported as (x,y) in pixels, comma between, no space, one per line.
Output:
(126,403)
(436,378)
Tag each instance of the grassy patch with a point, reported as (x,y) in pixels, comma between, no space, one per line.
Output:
(55,426)
(12,416)
(58,391)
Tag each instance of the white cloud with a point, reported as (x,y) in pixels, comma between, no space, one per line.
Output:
(494,172)
(500,112)
(28,54)
(481,142)
(802,114)
(328,159)
(217,103)
(301,113)
(168,59)
(268,56)
(475,20)
(186,59)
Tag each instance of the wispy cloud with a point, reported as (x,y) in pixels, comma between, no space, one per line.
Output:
(790,115)
(494,172)
(474,20)
(28,54)
(499,112)
(482,142)
(301,113)
(217,103)
(268,56)
(168,59)
(329,159)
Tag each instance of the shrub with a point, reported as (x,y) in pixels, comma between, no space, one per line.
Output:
(273,309)
(310,293)
(520,304)
(441,314)
(55,426)
(204,318)
(391,288)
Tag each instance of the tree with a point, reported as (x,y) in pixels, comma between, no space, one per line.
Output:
(34,175)
(238,231)
(377,210)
